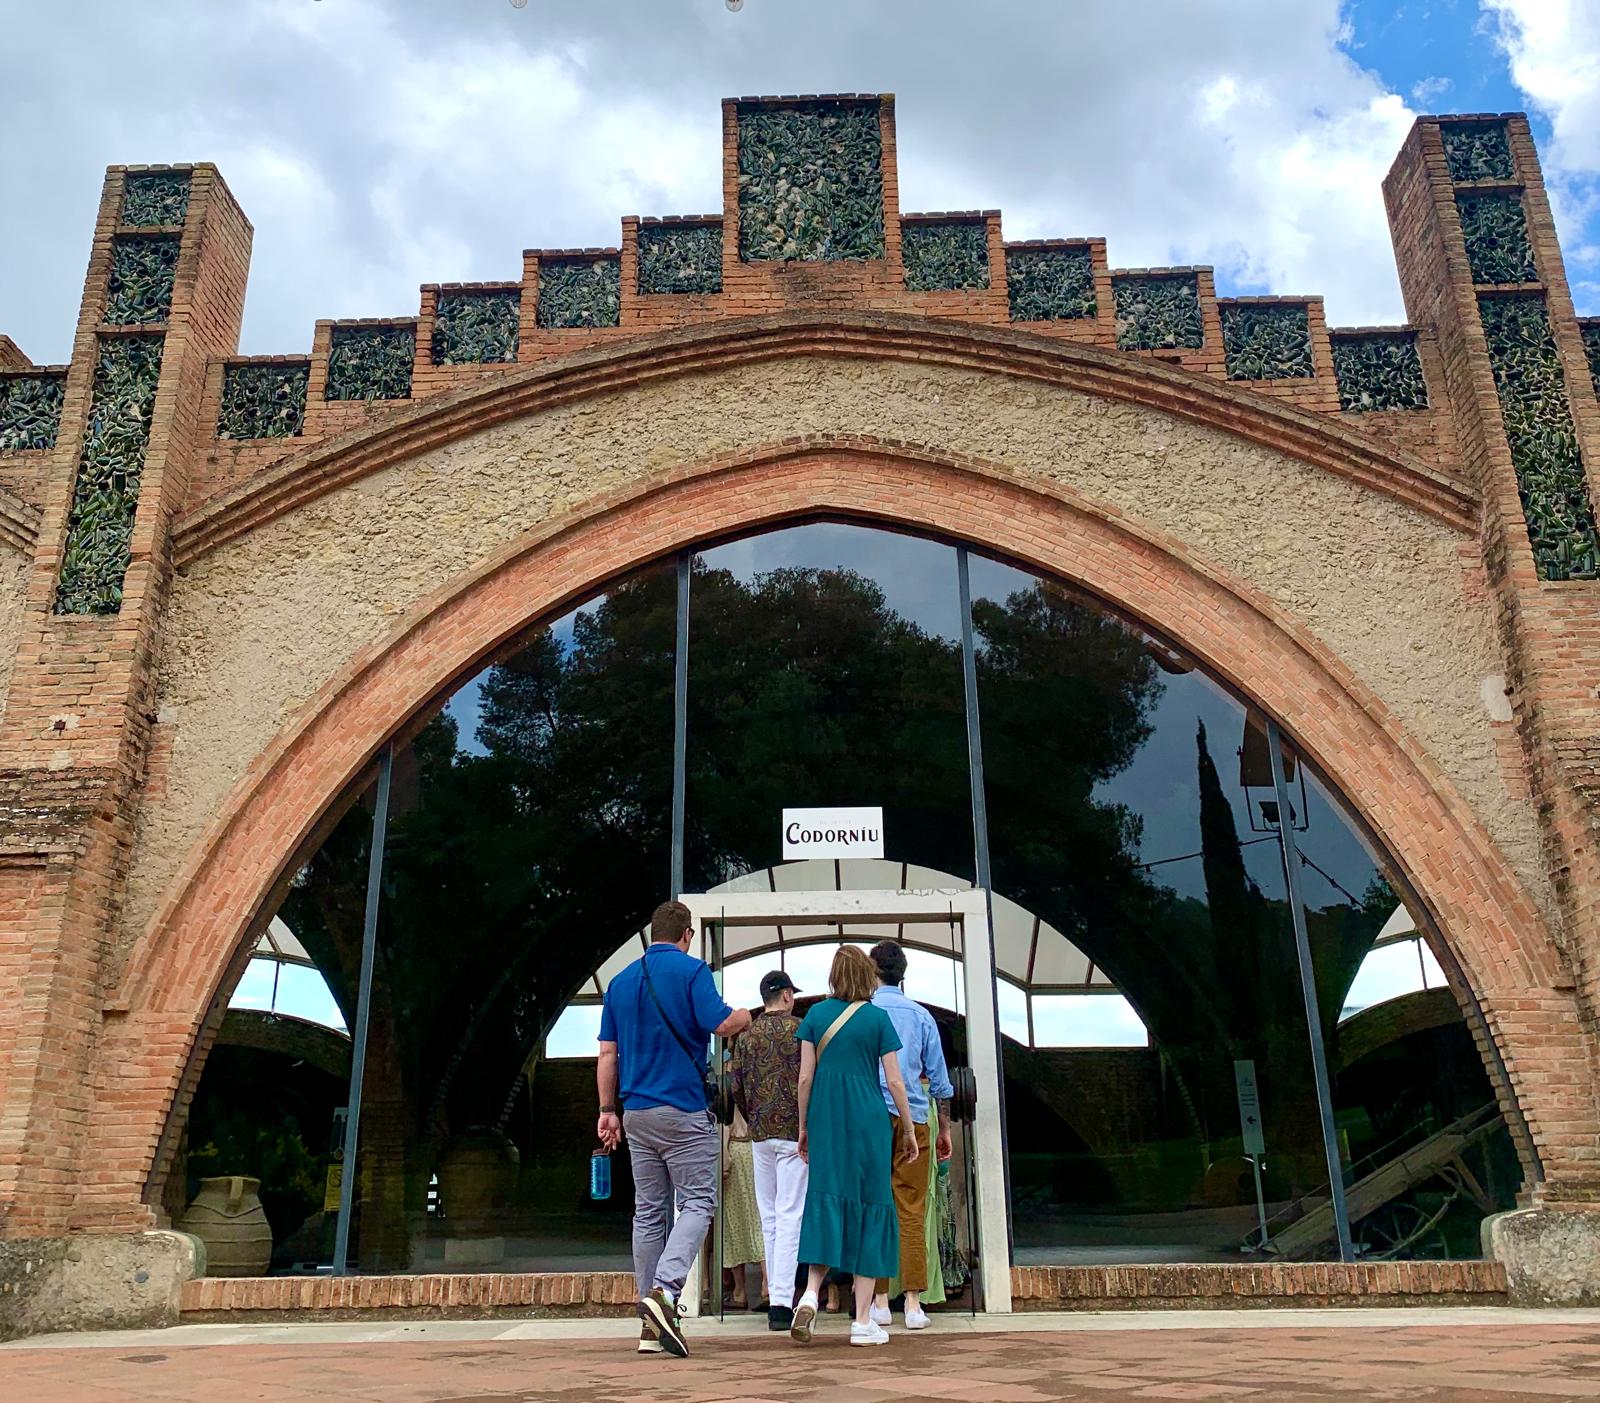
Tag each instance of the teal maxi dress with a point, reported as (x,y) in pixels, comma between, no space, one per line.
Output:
(849,1221)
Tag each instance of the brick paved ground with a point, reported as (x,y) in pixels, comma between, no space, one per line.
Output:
(1421,1364)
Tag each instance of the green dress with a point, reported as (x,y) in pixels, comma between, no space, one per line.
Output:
(849,1221)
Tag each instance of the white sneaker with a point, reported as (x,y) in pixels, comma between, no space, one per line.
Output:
(805,1315)
(881,1315)
(916,1318)
(867,1334)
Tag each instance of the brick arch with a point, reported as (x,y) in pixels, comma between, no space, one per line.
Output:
(1317,439)
(148,1046)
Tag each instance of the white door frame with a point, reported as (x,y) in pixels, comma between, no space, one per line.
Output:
(969,906)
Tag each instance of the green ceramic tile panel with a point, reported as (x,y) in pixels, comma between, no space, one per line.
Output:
(105,496)
(1050,284)
(1268,341)
(371,362)
(30,411)
(680,258)
(1158,311)
(1541,436)
(263,401)
(811,182)
(477,327)
(946,257)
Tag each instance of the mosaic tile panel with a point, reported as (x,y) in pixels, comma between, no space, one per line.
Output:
(151,199)
(263,401)
(139,290)
(371,362)
(1477,150)
(30,411)
(1541,436)
(1158,312)
(1050,284)
(1496,234)
(105,496)
(1266,341)
(811,182)
(680,258)
(945,257)
(477,327)
(1379,371)
(575,292)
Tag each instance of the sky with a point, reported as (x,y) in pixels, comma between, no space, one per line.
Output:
(380,144)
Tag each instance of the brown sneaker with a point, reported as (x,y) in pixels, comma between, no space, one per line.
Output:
(648,1343)
(660,1313)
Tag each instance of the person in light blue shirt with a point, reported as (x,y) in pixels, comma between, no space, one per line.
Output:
(921,1056)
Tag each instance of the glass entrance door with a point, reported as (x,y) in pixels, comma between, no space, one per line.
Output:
(947,937)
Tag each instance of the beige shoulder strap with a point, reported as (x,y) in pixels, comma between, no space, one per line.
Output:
(838,1023)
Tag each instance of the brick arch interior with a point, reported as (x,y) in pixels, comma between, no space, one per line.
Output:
(152,1042)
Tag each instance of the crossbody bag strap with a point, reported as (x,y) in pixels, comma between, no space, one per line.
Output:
(838,1023)
(699,1064)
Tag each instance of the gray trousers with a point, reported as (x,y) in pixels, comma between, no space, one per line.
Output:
(674,1156)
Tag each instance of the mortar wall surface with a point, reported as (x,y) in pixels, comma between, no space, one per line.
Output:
(260,623)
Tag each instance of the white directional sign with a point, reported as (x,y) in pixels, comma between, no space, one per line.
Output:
(832,833)
(1244,1080)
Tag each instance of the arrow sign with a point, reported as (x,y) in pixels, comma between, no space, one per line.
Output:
(1244,1081)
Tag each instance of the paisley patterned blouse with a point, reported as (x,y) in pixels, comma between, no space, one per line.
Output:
(766,1077)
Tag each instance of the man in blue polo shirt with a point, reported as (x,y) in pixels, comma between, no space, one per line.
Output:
(660,1015)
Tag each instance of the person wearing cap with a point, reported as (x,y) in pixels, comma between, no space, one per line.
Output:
(766,1088)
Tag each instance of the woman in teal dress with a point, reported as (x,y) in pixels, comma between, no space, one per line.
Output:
(846,1136)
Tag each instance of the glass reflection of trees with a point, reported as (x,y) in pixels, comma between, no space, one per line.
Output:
(807,687)
(530,832)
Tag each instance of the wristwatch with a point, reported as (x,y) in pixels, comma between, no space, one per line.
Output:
(608,1110)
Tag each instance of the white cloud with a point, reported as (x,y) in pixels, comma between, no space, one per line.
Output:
(1427,92)
(377,144)
(1554,51)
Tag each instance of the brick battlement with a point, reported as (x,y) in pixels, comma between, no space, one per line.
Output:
(634,292)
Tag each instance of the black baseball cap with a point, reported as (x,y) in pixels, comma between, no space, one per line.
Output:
(774,983)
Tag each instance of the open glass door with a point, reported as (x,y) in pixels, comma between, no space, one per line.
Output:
(946,936)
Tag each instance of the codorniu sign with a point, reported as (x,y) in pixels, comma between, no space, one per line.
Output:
(832,833)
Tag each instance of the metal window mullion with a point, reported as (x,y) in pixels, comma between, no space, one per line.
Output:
(980,846)
(680,724)
(358,1049)
(1308,989)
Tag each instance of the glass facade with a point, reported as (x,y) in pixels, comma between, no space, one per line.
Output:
(1160,1092)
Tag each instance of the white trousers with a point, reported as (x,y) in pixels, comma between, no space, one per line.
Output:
(781,1197)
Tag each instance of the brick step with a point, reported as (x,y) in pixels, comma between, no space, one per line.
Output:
(1298,1284)
(479,1294)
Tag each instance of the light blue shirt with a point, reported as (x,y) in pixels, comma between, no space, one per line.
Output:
(921,1053)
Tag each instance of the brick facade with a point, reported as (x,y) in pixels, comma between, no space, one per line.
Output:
(105,1023)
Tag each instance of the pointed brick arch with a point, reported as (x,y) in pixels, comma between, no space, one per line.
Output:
(150,1046)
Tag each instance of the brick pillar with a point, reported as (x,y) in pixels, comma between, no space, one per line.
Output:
(1450,175)
(76,724)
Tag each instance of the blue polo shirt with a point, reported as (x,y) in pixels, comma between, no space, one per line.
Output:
(652,1069)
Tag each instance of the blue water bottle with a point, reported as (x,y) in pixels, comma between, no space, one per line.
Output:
(600,1174)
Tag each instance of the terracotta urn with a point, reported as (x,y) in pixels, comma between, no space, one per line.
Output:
(227,1216)
(477,1177)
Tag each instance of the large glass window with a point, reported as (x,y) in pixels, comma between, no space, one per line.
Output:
(825,670)
(1116,815)
(1160,1094)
